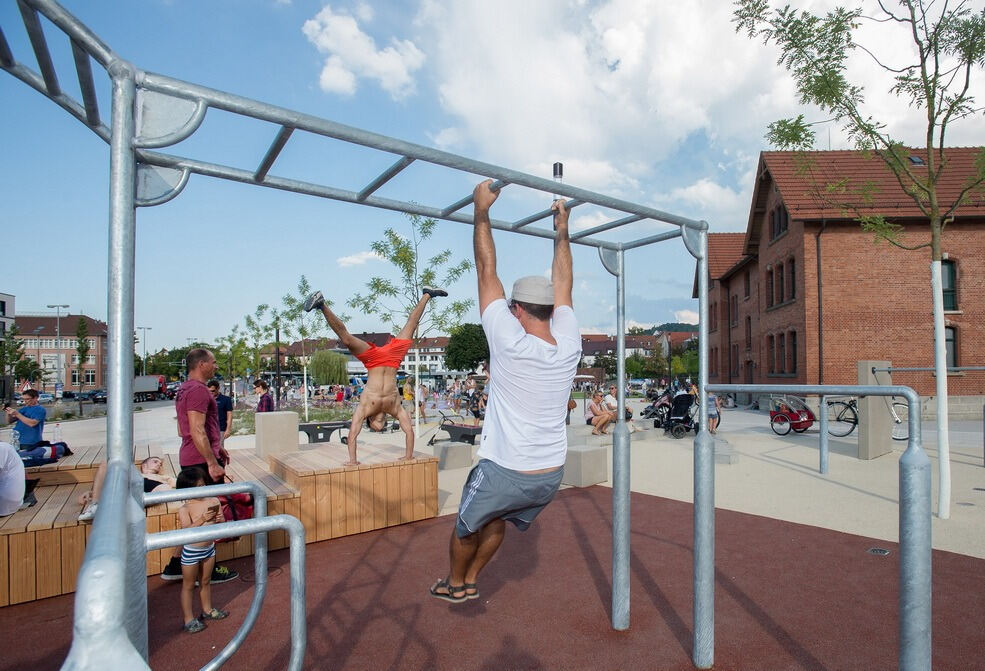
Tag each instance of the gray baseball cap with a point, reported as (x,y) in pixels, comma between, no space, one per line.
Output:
(534,289)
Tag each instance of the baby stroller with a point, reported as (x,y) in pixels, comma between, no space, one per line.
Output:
(679,421)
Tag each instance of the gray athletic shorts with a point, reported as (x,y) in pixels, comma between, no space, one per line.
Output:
(492,491)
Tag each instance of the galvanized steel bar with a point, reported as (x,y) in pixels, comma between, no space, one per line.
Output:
(100,636)
(40,45)
(6,56)
(245,106)
(237,175)
(649,240)
(75,29)
(259,551)
(260,526)
(915,606)
(120,290)
(385,177)
(136,566)
(620,467)
(459,204)
(822,413)
(955,369)
(607,226)
(283,135)
(543,214)
(86,85)
(703,652)
(67,103)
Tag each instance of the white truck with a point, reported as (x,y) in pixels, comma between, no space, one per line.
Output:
(149,388)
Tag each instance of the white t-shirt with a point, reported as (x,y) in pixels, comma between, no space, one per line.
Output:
(529,384)
(611,402)
(11,479)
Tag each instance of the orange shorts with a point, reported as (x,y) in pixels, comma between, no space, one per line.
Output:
(389,355)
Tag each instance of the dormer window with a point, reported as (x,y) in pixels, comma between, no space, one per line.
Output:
(916,160)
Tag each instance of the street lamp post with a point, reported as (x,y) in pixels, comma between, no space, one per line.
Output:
(58,344)
(143,339)
(37,336)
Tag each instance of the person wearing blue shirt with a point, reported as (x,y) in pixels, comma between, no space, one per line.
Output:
(29,420)
(224,406)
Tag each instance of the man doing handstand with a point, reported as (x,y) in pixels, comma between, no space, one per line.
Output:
(380,395)
(534,348)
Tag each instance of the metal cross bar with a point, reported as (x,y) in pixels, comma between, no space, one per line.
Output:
(86,84)
(659,237)
(75,29)
(384,177)
(950,369)
(6,57)
(605,227)
(275,148)
(459,204)
(537,216)
(33,25)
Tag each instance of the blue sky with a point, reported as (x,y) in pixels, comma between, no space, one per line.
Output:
(658,104)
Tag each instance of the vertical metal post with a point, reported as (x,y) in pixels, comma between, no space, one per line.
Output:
(122,243)
(822,414)
(620,467)
(703,654)
(915,549)
(277,369)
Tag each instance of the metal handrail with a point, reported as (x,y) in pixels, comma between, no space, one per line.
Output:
(914,516)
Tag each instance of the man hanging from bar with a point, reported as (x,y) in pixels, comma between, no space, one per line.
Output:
(534,349)
(380,396)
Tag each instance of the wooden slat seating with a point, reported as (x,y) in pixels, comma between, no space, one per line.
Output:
(80,466)
(381,491)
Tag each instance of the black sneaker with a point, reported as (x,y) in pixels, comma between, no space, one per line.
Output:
(313,302)
(172,571)
(434,292)
(221,574)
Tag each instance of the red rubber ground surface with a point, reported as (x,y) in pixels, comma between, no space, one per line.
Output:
(787,596)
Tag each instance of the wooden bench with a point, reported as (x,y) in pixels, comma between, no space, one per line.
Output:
(339,500)
(80,466)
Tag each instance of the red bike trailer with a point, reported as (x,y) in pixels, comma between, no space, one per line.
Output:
(790,412)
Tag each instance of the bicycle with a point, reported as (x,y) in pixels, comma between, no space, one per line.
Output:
(843,418)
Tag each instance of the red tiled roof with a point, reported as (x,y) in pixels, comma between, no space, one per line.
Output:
(724,251)
(796,175)
(678,337)
(68,324)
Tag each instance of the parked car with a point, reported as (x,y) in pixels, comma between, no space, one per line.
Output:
(98,396)
(69,394)
(46,397)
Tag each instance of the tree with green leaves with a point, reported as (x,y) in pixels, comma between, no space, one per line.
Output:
(392,300)
(258,332)
(607,362)
(11,351)
(467,347)
(947,43)
(329,367)
(82,352)
(30,370)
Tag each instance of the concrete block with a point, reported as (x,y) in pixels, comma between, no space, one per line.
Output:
(724,453)
(586,464)
(454,454)
(276,433)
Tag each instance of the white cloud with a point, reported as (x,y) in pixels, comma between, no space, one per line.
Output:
(357,259)
(722,207)
(352,54)
(686,316)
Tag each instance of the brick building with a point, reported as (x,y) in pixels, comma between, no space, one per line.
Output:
(805,293)
(39,334)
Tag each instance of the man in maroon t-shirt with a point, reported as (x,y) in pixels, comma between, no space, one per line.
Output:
(201,446)
(198,419)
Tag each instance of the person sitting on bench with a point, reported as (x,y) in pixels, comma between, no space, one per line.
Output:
(150,469)
(380,396)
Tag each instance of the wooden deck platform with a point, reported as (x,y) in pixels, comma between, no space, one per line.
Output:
(41,547)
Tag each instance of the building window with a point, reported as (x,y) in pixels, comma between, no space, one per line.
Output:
(745,284)
(769,288)
(735,360)
(949,282)
(734,316)
(779,221)
(3,308)
(780,293)
(792,285)
(90,377)
(781,354)
(713,317)
(770,364)
(748,333)
(793,351)
(950,346)
(75,377)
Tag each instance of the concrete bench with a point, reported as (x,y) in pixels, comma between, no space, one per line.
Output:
(587,464)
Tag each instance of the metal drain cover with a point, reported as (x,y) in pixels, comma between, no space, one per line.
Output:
(881,552)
